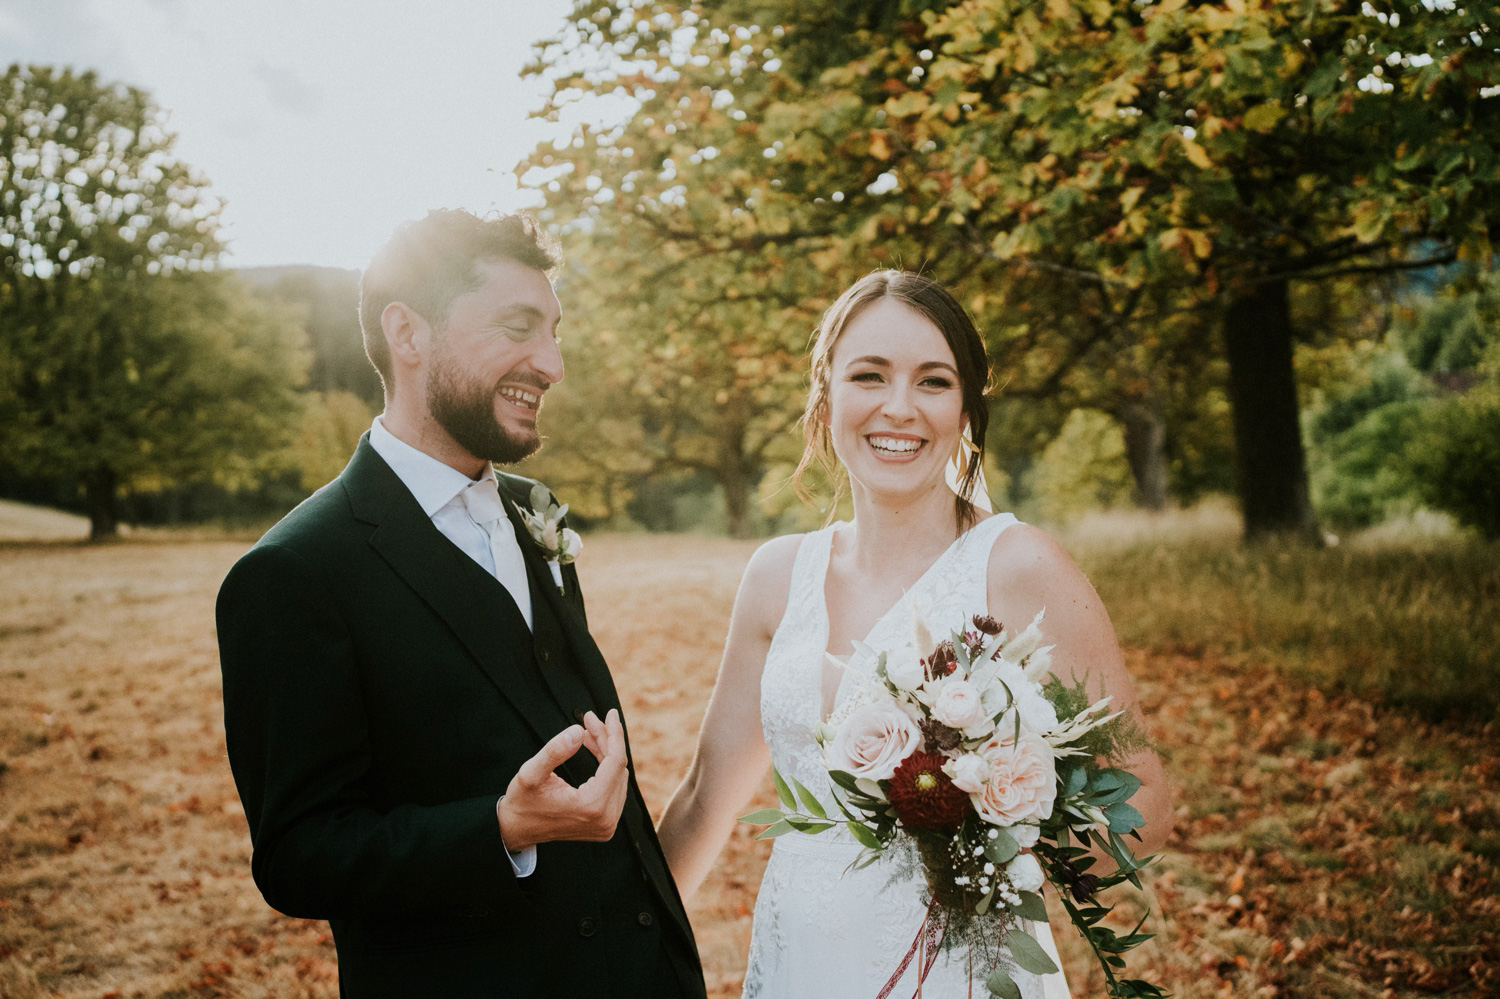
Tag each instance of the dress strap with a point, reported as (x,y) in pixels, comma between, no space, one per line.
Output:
(969,571)
(804,596)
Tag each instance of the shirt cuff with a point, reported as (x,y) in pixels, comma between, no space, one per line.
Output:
(522,862)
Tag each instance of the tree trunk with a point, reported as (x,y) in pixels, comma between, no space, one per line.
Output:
(1145,449)
(99,492)
(1270,464)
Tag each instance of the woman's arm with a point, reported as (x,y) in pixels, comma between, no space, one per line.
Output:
(1029,571)
(732,757)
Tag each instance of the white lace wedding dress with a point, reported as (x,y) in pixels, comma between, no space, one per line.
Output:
(821,933)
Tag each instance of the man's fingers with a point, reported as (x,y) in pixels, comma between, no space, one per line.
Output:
(558,750)
(598,736)
(616,734)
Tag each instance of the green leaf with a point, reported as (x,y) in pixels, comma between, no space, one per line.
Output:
(788,801)
(1032,907)
(813,805)
(779,829)
(1002,985)
(864,835)
(984,903)
(1123,817)
(763,817)
(1002,848)
(844,780)
(1027,953)
(1075,781)
(803,826)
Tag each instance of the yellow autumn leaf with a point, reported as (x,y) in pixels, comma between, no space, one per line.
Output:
(1263,117)
(1196,154)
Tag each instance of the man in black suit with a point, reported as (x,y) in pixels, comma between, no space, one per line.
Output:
(412,699)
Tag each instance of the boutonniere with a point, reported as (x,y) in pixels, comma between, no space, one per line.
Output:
(559,544)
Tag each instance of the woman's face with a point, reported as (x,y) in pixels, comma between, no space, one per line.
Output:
(895,408)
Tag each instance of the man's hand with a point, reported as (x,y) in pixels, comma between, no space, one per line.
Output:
(540,807)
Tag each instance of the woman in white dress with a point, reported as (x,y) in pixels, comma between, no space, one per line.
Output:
(899,381)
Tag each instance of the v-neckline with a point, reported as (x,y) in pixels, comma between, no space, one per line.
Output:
(827,622)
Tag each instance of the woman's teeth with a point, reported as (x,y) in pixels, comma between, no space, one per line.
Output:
(521,397)
(895,445)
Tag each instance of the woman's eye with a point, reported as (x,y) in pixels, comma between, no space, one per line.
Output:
(941,383)
(865,376)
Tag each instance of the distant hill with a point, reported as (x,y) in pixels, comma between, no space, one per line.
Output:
(24,522)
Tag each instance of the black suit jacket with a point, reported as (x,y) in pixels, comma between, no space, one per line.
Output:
(380,691)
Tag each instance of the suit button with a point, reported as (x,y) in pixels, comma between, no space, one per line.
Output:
(588,926)
(545,654)
(644,919)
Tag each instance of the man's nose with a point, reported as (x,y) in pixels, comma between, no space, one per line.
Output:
(548,360)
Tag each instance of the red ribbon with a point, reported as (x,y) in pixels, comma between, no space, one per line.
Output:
(929,937)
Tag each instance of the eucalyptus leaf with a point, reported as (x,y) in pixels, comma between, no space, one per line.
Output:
(1032,907)
(843,779)
(764,817)
(1003,848)
(1002,985)
(788,801)
(1123,818)
(809,800)
(779,829)
(864,835)
(1027,953)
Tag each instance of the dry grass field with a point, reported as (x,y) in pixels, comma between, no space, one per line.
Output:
(1326,845)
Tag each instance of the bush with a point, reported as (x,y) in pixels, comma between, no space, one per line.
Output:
(1455,459)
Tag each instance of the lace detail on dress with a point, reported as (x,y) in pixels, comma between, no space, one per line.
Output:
(820,931)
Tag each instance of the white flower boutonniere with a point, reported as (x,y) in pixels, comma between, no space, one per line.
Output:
(561,545)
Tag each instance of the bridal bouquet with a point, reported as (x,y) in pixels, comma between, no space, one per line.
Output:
(953,757)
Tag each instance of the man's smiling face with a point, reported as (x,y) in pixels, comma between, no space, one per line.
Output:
(493,359)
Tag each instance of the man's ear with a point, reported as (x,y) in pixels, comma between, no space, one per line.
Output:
(406,334)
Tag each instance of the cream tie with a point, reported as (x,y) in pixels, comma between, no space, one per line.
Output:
(482,500)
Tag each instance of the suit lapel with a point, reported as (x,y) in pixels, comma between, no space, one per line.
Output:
(586,654)
(446,580)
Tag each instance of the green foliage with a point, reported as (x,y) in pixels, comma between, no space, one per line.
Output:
(1093,179)
(1455,458)
(1082,469)
(123,363)
(332,423)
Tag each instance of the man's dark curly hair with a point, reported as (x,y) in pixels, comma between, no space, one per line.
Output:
(428,263)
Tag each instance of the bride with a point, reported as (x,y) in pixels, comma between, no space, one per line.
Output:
(898,390)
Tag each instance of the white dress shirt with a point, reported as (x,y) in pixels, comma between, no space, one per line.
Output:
(439,490)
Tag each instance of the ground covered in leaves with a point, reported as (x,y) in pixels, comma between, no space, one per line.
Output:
(1325,846)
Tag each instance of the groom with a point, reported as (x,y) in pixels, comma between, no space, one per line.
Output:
(426,740)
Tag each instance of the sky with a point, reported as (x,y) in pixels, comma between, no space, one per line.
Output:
(320,124)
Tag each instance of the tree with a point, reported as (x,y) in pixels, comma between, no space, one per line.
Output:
(1154,178)
(124,362)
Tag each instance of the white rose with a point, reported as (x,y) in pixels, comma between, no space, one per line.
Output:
(957,703)
(1022,782)
(1025,873)
(903,667)
(969,772)
(572,544)
(873,741)
(1037,713)
(1025,835)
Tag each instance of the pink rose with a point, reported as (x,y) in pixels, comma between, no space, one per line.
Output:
(957,703)
(1022,782)
(873,741)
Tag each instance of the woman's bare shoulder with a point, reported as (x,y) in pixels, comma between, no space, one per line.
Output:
(1028,560)
(767,582)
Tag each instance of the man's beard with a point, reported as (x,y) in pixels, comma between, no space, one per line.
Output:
(466,410)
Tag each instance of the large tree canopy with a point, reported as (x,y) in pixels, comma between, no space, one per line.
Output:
(122,362)
(1119,190)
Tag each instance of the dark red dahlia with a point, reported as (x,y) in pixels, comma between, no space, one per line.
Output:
(942,661)
(988,625)
(924,797)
